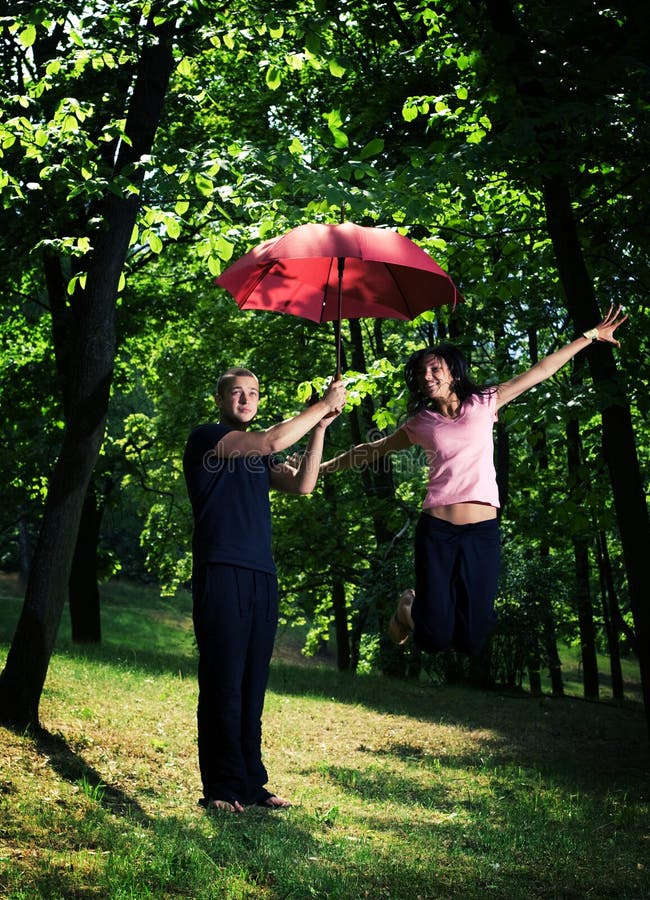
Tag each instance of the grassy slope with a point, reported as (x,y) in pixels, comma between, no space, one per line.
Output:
(401,790)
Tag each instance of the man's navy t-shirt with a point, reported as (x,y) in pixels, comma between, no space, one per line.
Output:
(230,501)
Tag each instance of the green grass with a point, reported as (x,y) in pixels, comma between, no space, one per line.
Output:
(401,790)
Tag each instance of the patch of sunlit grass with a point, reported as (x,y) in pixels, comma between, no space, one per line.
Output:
(400,789)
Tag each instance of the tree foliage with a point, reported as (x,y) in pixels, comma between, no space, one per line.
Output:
(459,123)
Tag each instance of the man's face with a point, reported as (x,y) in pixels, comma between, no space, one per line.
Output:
(238,401)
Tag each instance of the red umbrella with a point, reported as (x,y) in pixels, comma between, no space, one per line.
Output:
(329,272)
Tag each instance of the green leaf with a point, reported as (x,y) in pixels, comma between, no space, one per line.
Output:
(336,69)
(273,78)
(173,228)
(475,137)
(340,138)
(304,392)
(333,122)
(409,113)
(224,248)
(154,242)
(204,184)
(295,61)
(372,148)
(185,67)
(27,36)
(333,118)
(70,123)
(313,43)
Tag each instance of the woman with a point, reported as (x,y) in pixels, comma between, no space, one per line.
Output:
(457,536)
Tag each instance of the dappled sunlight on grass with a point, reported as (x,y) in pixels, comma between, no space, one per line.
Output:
(400,789)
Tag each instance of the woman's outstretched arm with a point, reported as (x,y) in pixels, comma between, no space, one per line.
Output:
(548,366)
(366,454)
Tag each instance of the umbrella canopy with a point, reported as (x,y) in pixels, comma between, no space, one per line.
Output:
(329,272)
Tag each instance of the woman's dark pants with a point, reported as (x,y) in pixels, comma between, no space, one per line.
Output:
(456,579)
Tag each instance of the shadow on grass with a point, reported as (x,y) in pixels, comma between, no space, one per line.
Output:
(301,852)
(140,629)
(585,741)
(148,661)
(71,767)
(591,744)
(596,745)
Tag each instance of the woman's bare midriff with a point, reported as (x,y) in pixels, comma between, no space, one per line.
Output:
(463,513)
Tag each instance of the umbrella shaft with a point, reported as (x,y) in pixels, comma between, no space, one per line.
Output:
(337,325)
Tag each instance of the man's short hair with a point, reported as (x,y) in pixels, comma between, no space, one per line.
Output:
(228,376)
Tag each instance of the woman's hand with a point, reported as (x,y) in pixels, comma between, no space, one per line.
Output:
(605,329)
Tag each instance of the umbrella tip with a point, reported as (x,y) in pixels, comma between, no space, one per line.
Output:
(342,213)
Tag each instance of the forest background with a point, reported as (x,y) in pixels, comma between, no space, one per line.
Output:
(145,146)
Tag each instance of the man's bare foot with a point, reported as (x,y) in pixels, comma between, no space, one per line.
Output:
(401,623)
(225,805)
(273,802)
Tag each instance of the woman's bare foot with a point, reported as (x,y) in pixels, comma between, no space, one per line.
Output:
(401,622)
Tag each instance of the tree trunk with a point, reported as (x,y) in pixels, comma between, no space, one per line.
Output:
(358,629)
(553,657)
(341,626)
(618,434)
(610,609)
(585,621)
(584,606)
(379,484)
(549,634)
(618,622)
(23,677)
(25,551)
(619,447)
(93,336)
(535,676)
(83,593)
(339,603)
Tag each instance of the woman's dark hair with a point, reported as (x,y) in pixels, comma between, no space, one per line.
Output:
(463,385)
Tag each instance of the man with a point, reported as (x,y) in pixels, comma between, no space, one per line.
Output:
(228,471)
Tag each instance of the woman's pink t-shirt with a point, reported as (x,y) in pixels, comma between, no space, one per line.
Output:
(460,452)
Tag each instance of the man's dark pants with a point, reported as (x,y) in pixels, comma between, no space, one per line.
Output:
(235,618)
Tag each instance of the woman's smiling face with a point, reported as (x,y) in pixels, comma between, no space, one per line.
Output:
(434,377)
